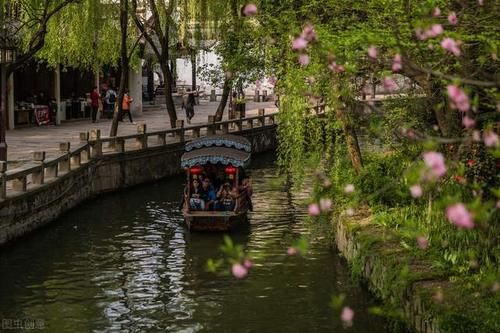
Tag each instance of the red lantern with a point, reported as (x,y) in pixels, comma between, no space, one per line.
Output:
(230,170)
(195,170)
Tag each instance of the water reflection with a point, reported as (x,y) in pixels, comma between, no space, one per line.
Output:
(124,263)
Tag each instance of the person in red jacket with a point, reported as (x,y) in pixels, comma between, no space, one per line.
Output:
(94,103)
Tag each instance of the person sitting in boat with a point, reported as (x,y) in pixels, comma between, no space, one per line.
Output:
(196,201)
(225,198)
(208,192)
(245,192)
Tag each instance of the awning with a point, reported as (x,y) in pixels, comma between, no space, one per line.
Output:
(226,140)
(215,155)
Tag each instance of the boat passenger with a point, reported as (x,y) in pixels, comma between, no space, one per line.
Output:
(225,198)
(209,195)
(196,201)
(245,192)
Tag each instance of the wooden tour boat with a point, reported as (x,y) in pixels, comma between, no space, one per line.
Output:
(222,159)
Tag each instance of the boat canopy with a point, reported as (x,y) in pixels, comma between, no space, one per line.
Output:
(215,155)
(226,140)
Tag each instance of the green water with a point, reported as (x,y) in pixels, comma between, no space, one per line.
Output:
(124,263)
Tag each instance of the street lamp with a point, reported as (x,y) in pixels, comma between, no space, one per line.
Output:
(7,56)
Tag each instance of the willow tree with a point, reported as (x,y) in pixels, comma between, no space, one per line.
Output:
(87,39)
(158,30)
(330,65)
(25,25)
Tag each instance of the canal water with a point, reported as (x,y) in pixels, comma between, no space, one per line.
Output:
(124,263)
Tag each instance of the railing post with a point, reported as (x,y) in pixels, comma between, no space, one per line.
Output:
(180,125)
(213,96)
(37,177)
(238,122)
(225,128)
(3,180)
(196,132)
(272,119)
(142,140)
(119,145)
(211,126)
(162,139)
(262,117)
(256,98)
(84,138)
(95,137)
(250,123)
(65,165)
(264,95)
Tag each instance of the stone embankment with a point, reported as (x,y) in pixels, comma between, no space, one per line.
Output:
(426,297)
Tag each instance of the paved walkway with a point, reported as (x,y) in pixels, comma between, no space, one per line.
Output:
(22,142)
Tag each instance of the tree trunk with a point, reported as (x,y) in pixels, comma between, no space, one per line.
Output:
(193,70)
(151,80)
(172,114)
(124,67)
(3,114)
(225,96)
(351,140)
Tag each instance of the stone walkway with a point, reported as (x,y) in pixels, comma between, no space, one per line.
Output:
(22,142)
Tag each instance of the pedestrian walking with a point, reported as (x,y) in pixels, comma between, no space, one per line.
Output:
(94,103)
(109,102)
(126,106)
(188,102)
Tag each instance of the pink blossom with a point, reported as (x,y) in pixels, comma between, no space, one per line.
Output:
(480,2)
(325,205)
(435,162)
(422,242)
(250,9)
(340,69)
(459,98)
(348,189)
(416,191)
(436,30)
(476,136)
(304,59)
(239,271)
(247,263)
(258,84)
(452,18)
(490,139)
(347,316)
(390,84)
(450,45)
(299,43)
(436,12)
(309,34)
(421,35)
(460,216)
(272,80)
(314,210)
(292,251)
(397,63)
(372,52)
(468,122)
(336,68)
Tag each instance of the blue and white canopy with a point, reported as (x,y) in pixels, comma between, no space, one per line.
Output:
(226,140)
(215,155)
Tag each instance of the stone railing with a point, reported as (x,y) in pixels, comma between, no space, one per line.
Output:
(41,171)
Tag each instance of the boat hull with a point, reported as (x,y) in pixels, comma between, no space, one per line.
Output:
(214,221)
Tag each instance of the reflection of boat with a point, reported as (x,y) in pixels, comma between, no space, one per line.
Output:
(222,159)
